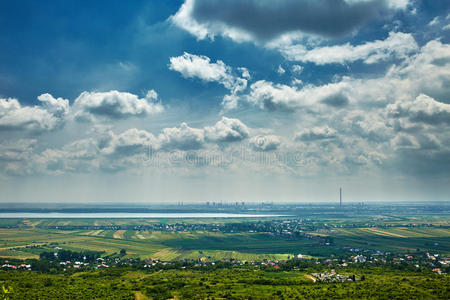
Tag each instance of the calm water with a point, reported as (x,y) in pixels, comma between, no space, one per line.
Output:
(20,215)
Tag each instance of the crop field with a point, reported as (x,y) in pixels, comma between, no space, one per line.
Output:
(21,239)
(392,239)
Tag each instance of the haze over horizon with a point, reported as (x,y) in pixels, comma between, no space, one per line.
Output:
(196,100)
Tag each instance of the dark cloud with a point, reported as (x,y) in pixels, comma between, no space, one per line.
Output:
(266,19)
(338,100)
(420,163)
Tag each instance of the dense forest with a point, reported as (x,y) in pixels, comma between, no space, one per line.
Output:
(188,280)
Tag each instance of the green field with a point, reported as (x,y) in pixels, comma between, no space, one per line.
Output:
(246,246)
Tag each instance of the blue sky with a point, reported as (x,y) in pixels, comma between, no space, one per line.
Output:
(304,96)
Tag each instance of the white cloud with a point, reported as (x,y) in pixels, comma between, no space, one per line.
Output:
(199,66)
(398,4)
(315,134)
(227,130)
(265,142)
(426,72)
(195,66)
(183,138)
(17,150)
(244,72)
(151,95)
(422,109)
(272,96)
(114,105)
(280,70)
(58,107)
(47,117)
(130,142)
(296,82)
(397,45)
(111,152)
(85,149)
(297,69)
(435,21)
(371,126)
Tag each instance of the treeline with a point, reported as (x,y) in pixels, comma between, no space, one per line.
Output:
(68,255)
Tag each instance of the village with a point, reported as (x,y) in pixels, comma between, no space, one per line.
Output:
(66,260)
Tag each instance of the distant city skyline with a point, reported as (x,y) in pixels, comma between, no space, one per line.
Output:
(209,101)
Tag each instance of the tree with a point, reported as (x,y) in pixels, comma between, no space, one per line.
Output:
(123,252)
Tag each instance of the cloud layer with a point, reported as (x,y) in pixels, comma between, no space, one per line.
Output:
(397,45)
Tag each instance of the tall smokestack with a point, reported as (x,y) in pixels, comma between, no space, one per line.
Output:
(340,196)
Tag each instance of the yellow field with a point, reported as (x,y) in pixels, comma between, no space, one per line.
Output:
(383,233)
(119,234)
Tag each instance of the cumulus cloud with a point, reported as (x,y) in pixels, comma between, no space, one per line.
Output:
(265,142)
(17,150)
(422,109)
(195,66)
(372,126)
(114,105)
(199,66)
(183,138)
(130,142)
(54,112)
(136,142)
(397,45)
(85,149)
(271,96)
(57,107)
(227,130)
(113,152)
(426,72)
(315,134)
(14,116)
(404,141)
(263,20)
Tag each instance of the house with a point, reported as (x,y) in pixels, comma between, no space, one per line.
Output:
(360,258)
(438,271)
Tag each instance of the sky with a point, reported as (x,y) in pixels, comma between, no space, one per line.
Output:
(230,100)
